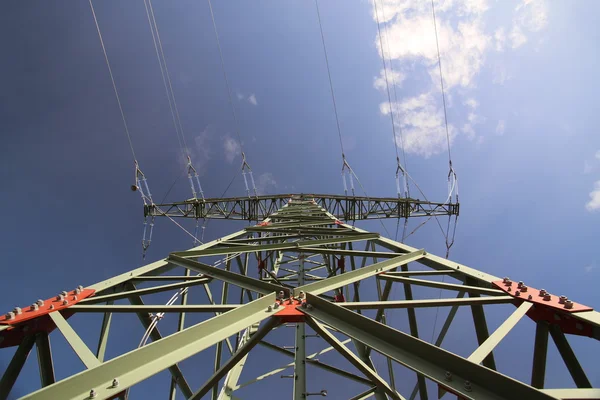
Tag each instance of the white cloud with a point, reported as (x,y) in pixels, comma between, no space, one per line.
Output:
(250,99)
(500,127)
(232,148)
(500,37)
(517,37)
(532,15)
(393,78)
(422,125)
(594,203)
(471,102)
(265,183)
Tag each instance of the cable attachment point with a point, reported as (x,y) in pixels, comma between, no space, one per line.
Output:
(141,185)
(193,177)
(452,184)
(347,170)
(401,188)
(147,236)
(245,166)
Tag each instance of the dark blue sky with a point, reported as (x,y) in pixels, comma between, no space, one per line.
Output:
(522,85)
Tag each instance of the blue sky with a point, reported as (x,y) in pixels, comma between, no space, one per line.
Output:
(521,90)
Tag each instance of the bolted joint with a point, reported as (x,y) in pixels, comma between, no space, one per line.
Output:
(468,386)
(568,304)
(276,305)
(562,299)
(64,293)
(10,315)
(270,308)
(40,302)
(547,297)
(17,310)
(34,307)
(115,383)
(93,394)
(448,376)
(65,302)
(543,292)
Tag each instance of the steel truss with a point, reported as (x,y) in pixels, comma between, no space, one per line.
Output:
(342,207)
(291,270)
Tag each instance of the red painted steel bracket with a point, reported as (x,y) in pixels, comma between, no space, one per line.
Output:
(34,318)
(263,224)
(290,313)
(548,307)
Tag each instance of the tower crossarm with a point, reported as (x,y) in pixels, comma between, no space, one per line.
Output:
(342,207)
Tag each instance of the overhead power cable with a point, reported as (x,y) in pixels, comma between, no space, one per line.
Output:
(245,165)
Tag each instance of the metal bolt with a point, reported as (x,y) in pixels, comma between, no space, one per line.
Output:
(115,383)
(309,306)
(281,295)
(93,394)
(63,293)
(34,307)
(65,302)
(60,297)
(543,292)
(520,284)
(529,297)
(547,297)
(17,310)
(517,293)
(40,302)
(80,287)
(468,387)
(509,289)
(276,305)
(301,295)
(562,299)
(10,315)
(77,291)
(270,308)
(505,279)
(523,288)
(568,304)
(51,306)
(304,305)
(448,376)
(74,298)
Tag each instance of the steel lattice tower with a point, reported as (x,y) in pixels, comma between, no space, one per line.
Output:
(301,267)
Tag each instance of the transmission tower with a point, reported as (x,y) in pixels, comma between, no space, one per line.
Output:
(306,268)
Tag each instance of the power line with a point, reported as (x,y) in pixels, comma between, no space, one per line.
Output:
(337,120)
(113,81)
(155,36)
(237,125)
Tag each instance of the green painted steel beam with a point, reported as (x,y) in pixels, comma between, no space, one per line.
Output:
(540,350)
(44,353)
(177,308)
(104,329)
(352,358)
(365,395)
(9,377)
(420,273)
(83,352)
(492,341)
(427,359)
(569,357)
(146,361)
(235,358)
(243,281)
(442,285)
(233,376)
(481,331)
(351,253)
(574,394)
(375,305)
(155,335)
(274,246)
(163,278)
(145,291)
(155,268)
(349,277)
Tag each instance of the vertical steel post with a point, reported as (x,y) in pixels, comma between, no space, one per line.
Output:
(300,354)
